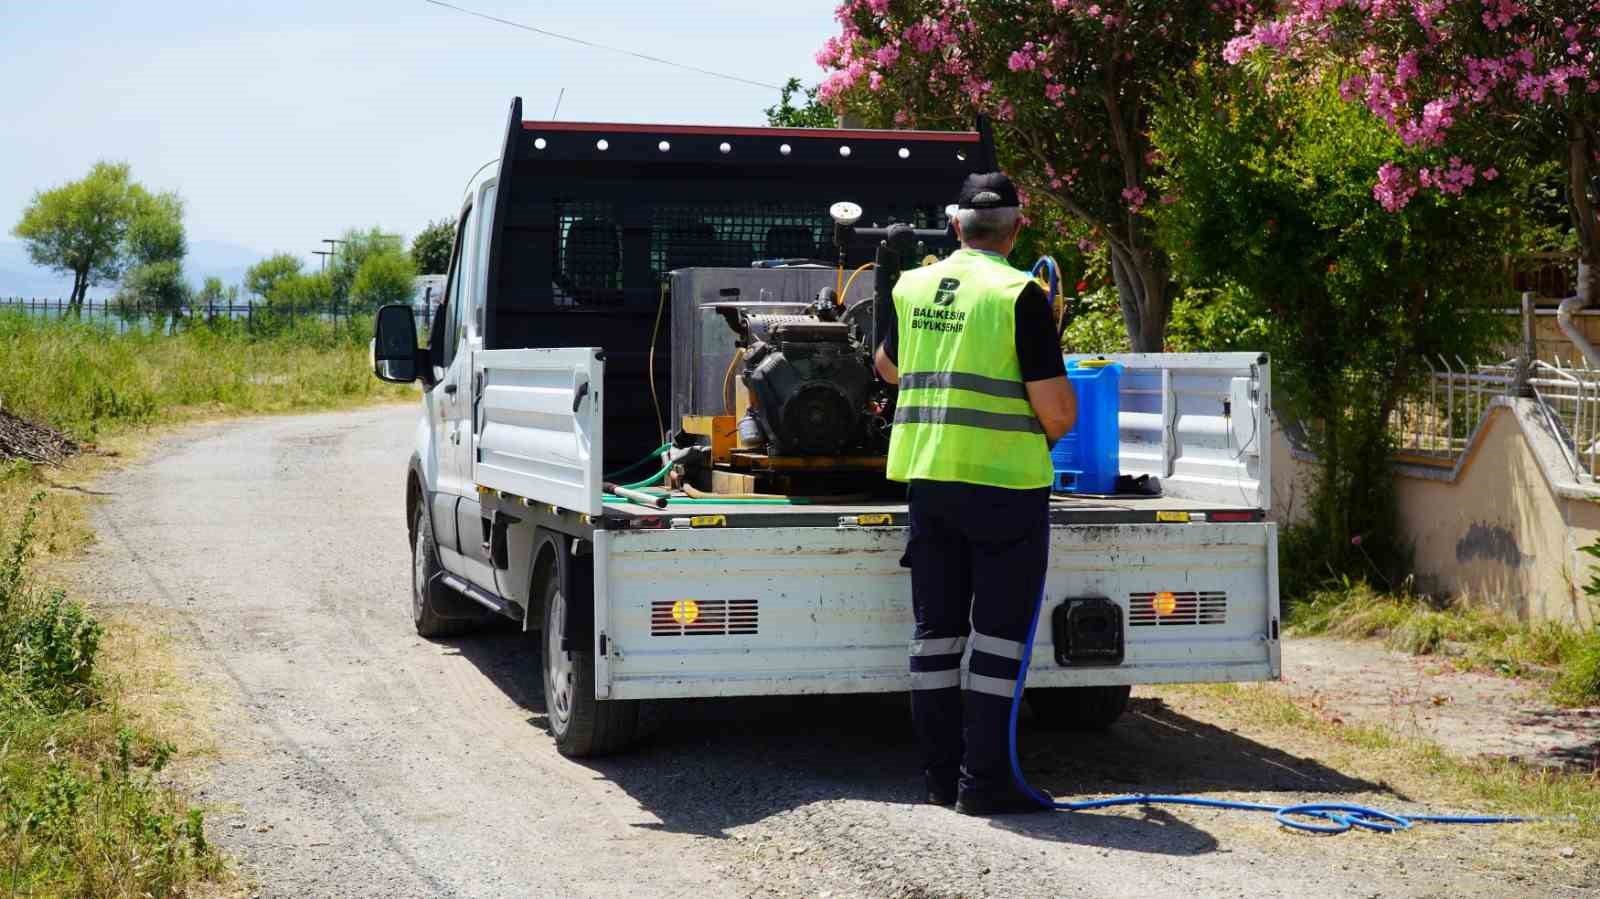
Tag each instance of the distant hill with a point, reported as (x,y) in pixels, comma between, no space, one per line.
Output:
(19,277)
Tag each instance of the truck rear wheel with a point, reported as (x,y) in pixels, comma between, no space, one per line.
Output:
(436,610)
(581,724)
(1079,708)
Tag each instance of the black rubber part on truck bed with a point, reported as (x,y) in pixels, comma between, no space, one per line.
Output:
(591,726)
(1078,708)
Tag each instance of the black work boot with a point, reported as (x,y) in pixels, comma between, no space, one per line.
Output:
(1004,801)
(943,787)
(936,715)
(986,784)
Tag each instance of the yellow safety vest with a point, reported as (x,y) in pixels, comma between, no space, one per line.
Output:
(963,413)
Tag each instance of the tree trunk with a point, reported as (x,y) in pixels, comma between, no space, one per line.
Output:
(1142,293)
(1128,293)
(1154,310)
(80,286)
(1580,147)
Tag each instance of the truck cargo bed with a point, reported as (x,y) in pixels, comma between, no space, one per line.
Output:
(1064,510)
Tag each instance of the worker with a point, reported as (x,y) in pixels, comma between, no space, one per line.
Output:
(983,395)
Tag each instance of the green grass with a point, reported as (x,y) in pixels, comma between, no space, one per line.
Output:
(83,721)
(89,381)
(1474,637)
(82,812)
(1409,765)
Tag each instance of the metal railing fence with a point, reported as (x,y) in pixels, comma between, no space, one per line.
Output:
(253,317)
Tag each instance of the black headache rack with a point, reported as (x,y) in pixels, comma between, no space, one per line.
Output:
(590,218)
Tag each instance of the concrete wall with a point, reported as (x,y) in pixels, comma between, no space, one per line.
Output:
(1495,527)
(1499,529)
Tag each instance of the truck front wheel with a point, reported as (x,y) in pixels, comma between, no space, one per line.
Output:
(1079,708)
(581,724)
(436,610)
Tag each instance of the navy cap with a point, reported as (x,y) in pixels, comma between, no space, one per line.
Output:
(988,190)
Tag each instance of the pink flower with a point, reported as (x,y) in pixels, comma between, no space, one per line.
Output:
(1135,198)
(1392,189)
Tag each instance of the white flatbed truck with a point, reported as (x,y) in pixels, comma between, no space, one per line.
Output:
(523,410)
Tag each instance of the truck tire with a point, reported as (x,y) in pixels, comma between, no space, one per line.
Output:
(581,724)
(1079,708)
(435,609)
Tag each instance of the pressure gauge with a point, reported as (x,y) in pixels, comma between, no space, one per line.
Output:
(845,213)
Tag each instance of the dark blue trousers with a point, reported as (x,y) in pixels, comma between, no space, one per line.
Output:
(977,557)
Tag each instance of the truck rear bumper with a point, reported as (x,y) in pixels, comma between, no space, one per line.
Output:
(744,612)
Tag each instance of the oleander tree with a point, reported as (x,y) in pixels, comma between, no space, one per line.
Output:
(1471,87)
(1069,85)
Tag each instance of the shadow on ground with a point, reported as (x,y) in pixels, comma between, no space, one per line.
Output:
(712,765)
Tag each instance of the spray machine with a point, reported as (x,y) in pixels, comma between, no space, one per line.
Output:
(784,395)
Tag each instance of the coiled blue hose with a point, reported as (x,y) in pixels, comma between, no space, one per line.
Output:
(1311,817)
(1053,272)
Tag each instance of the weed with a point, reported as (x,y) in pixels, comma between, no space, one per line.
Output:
(81,813)
(1579,682)
(1410,766)
(88,380)
(1477,638)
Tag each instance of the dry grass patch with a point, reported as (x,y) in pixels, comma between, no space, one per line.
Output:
(1472,637)
(1409,766)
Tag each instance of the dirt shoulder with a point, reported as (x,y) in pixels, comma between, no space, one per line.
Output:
(1467,713)
(356,759)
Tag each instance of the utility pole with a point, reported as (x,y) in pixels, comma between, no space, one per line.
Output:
(332,250)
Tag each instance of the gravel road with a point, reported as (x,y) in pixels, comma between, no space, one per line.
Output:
(361,760)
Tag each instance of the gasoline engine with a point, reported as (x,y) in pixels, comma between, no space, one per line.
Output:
(781,395)
(810,379)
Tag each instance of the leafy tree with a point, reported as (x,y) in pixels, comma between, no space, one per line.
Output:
(1470,87)
(155,288)
(155,245)
(430,249)
(354,249)
(301,293)
(79,227)
(384,277)
(813,114)
(263,278)
(1069,83)
(1276,205)
(213,293)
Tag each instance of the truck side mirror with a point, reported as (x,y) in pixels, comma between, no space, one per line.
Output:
(395,356)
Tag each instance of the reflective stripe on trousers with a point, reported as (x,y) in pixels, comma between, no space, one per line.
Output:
(994,665)
(936,662)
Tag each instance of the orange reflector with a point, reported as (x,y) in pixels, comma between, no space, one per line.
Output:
(687,611)
(708,521)
(1164,603)
(1172,517)
(874,520)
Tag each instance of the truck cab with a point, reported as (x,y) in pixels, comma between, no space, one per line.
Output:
(579,333)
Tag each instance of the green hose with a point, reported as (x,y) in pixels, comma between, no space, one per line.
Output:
(689,501)
(651,481)
(653,453)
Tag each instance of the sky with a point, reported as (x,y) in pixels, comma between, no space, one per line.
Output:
(281,123)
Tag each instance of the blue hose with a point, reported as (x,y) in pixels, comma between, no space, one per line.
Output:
(1335,817)
(1053,272)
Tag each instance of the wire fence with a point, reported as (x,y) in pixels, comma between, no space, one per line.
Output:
(123,317)
(1437,422)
